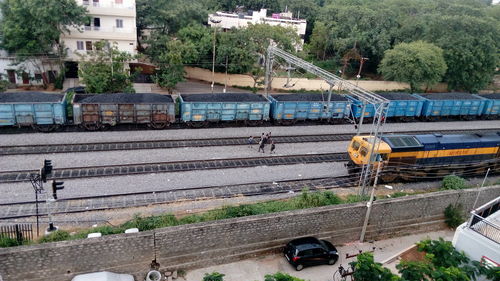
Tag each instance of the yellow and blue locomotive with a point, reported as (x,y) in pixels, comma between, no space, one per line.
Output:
(431,156)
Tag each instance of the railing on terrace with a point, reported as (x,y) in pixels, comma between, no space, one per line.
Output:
(483,220)
(107,5)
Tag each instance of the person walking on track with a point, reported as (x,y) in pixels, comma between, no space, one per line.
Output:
(250,141)
(262,144)
(273,147)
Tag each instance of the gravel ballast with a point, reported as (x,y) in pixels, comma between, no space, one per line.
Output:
(20,192)
(101,158)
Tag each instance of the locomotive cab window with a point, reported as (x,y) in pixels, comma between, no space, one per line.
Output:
(382,157)
(363,151)
(355,145)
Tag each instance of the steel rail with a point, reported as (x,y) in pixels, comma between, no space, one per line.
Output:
(176,166)
(163,144)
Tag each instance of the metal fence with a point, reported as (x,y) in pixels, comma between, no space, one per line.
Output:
(20,232)
(480,223)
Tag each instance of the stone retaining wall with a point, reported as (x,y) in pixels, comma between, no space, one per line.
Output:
(209,243)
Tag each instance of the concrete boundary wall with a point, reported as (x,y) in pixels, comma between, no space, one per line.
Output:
(203,244)
(299,83)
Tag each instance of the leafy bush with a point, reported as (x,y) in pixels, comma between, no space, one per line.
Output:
(214,276)
(280,276)
(453,182)
(365,269)
(453,215)
(58,235)
(69,104)
(3,85)
(8,242)
(104,230)
(441,253)
(151,222)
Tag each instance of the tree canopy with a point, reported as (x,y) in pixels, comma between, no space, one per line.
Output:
(415,63)
(103,70)
(32,28)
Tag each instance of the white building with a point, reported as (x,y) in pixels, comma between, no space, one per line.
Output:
(479,238)
(25,73)
(229,20)
(111,20)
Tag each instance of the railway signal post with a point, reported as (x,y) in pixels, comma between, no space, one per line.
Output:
(37,181)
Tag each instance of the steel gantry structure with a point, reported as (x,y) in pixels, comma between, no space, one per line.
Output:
(379,103)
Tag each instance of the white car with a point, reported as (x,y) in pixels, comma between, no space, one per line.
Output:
(103,276)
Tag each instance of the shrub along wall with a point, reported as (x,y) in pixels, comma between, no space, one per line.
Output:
(228,240)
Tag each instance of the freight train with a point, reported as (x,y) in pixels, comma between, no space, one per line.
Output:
(430,156)
(47,112)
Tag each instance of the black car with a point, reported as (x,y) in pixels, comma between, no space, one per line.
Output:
(310,251)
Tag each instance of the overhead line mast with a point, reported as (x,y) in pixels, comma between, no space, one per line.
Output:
(379,103)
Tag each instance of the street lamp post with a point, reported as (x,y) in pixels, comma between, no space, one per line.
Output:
(215,22)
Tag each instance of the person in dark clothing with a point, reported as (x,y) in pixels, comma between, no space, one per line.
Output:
(273,147)
(262,144)
(269,137)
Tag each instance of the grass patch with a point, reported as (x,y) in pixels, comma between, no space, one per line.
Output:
(305,200)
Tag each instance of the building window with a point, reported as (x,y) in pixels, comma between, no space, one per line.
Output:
(97,23)
(88,45)
(118,1)
(86,2)
(119,23)
(79,45)
(96,3)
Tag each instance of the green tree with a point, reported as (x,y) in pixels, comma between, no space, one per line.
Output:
(320,41)
(470,47)
(166,17)
(31,29)
(103,70)
(366,269)
(245,48)
(171,63)
(416,63)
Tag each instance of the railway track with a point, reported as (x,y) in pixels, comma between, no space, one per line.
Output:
(158,144)
(114,201)
(177,166)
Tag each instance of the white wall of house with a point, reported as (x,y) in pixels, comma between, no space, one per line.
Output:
(231,20)
(116,23)
(8,66)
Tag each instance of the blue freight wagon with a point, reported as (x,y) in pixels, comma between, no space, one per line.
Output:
(42,111)
(492,106)
(458,105)
(402,106)
(289,108)
(198,110)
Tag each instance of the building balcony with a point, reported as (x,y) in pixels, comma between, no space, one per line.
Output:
(109,8)
(106,33)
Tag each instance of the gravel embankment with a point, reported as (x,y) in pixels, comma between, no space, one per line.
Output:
(101,158)
(18,192)
(243,132)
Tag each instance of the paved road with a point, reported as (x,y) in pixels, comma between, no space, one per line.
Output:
(257,268)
